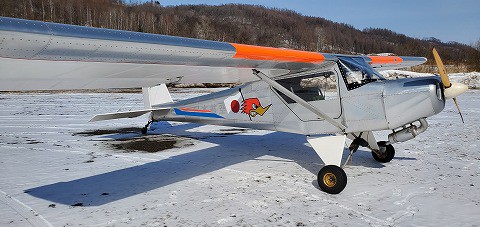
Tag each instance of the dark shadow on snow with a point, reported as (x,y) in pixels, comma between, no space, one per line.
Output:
(123,183)
(405,158)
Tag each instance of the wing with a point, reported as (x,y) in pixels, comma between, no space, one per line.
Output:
(381,63)
(41,56)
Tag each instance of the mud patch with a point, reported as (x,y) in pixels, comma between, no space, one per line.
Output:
(150,144)
(92,157)
(232,131)
(99,132)
(31,141)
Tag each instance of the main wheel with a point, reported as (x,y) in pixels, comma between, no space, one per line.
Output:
(144,130)
(332,179)
(387,150)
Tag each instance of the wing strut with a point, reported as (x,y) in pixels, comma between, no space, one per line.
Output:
(297,99)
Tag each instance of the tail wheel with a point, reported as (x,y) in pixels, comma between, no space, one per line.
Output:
(332,179)
(387,152)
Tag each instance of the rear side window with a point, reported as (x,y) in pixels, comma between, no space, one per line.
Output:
(318,86)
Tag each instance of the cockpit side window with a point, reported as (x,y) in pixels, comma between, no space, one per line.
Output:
(318,86)
(356,72)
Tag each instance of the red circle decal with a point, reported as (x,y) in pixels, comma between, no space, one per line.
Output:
(235,106)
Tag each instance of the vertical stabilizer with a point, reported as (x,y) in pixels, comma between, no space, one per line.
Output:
(153,96)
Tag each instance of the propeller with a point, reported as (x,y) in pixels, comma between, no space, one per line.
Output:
(451,90)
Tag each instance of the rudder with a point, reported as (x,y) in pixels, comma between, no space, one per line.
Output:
(156,95)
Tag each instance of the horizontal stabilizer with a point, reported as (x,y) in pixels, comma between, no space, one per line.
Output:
(118,115)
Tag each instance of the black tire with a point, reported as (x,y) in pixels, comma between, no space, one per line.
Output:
(389,152)
(144,131)
(332,179)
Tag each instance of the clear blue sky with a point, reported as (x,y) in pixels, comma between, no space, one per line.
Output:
(447,20)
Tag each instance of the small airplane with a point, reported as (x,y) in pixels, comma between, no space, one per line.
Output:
(326,97)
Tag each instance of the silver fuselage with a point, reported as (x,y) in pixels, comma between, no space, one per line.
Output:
(38,55)
(379,105)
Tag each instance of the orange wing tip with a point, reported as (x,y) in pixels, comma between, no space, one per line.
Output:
(275,54)
(386,59)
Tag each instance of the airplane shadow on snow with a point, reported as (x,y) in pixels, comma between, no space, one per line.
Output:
(231,149)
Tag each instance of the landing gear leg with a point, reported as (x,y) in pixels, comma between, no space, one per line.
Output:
(357,142)
(331,178)
(145,128)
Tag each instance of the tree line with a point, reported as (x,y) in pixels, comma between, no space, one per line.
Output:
(256,25)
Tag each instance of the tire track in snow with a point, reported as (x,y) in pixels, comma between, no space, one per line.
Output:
(367,218)
(411,209)
(27,213)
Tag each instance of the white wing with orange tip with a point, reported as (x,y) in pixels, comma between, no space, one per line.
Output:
(44,56)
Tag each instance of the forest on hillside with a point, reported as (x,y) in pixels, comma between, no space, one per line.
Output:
(236,23)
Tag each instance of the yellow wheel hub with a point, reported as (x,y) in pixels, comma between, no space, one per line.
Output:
(329,179)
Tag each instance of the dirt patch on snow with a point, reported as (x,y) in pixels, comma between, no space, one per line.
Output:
(150,144)
(99,132)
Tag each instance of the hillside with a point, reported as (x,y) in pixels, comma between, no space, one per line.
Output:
(240,24)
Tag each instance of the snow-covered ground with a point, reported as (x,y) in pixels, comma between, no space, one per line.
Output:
(56,170)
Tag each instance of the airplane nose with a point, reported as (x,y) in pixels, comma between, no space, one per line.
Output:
(434,88)
(437,97)
(455,90)
(410,99)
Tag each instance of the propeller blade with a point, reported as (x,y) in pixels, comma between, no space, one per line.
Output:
(441,69)
(451,90)
(458,108)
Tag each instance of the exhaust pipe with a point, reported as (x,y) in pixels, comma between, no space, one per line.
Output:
(408,133)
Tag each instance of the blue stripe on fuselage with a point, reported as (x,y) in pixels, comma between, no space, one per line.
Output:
(196,114)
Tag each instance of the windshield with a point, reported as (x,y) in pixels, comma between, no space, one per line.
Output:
(356,72)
